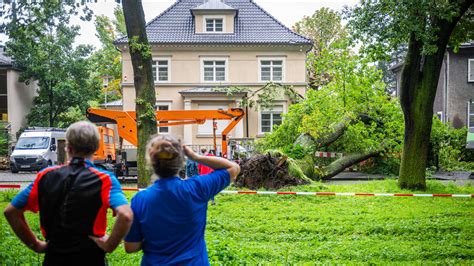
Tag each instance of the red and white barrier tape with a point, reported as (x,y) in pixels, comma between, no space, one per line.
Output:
(335,194)
(323,154)
(345,194)
(10,186)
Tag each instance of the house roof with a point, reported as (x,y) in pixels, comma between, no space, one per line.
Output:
(253,25)
(213,5)
(5,61)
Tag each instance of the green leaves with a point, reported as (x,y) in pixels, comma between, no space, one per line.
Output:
(139,47)
(41,42)
(384,25)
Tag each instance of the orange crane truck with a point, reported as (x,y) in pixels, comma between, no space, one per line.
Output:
(127,130)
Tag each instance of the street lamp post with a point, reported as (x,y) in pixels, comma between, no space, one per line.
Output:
(105,83)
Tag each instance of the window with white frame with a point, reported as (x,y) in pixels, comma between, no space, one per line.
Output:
(270,118)
(214,25)
(161,69)
(470,110)
(163,107)
(214,70)
(470,70)
(271,70)
(207,127)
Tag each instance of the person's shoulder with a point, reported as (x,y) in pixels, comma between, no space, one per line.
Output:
(50,170)
(101,172)
(140,196)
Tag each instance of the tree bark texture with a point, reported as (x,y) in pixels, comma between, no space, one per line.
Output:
(419,83)
(143,81)
(341,164)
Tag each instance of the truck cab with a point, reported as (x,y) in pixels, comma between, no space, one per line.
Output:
(106,152)
(38,148)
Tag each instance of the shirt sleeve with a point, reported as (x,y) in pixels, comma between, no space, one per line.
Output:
(135,233)
(20,201)
(207,186)
(116,198)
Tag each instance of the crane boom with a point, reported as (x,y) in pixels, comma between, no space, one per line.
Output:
(127,124)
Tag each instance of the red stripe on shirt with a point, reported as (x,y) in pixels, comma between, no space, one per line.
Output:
(32,203)
(100,222)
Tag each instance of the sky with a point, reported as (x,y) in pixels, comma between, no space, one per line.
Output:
(286,11)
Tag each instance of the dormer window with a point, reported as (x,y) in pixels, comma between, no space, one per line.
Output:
(214,16)
(214,25)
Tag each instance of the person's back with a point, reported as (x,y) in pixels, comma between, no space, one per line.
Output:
(72,201)
(170,215)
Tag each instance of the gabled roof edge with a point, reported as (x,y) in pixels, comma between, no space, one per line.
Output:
(281,24)
(151,21)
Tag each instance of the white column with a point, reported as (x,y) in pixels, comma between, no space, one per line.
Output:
(188,129)
(239,129)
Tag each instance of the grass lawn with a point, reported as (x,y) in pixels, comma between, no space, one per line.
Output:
(250,229)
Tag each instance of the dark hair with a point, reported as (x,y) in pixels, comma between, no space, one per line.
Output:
(165,155)
(203,150)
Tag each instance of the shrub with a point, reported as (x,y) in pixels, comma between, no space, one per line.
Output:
(448,148)
(3,142)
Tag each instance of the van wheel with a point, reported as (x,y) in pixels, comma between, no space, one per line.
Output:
(14,171)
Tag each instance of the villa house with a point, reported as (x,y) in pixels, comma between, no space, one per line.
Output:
(200,45)
(454,102)
(16,98)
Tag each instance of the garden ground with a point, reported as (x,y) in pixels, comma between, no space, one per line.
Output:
(251,229)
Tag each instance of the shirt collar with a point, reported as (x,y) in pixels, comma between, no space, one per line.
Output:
(80,160)
(166,180)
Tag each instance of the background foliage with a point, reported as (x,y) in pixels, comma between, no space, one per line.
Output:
(41,40)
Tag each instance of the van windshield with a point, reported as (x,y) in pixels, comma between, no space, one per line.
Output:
(28,143)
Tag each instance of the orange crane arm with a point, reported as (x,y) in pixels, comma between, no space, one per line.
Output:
(127,124)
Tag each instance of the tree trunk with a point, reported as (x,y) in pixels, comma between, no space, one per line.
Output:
(419,83)
(337,131)
(341,164)
(140,53)
(51,98)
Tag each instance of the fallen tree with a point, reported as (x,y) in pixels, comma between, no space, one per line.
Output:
(271,170)
(343,163)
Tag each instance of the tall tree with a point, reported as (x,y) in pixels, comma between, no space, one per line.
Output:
(41,42)
(140,52)
(325,28)
(428,27)
(107,60)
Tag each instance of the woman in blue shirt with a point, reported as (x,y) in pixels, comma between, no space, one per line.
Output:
(170,215)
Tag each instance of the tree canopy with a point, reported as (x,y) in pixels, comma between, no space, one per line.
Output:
(107,61)
(41,40)
(428,28)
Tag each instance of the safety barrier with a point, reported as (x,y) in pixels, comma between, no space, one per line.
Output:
(334,194)
(299,193)
(10,186)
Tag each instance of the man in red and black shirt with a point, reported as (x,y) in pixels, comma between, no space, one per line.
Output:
(72,201)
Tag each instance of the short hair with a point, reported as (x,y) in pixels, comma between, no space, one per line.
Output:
(203,150)
(83,138)
(165,155)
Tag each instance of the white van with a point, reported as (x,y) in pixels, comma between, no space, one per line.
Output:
(38,148)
